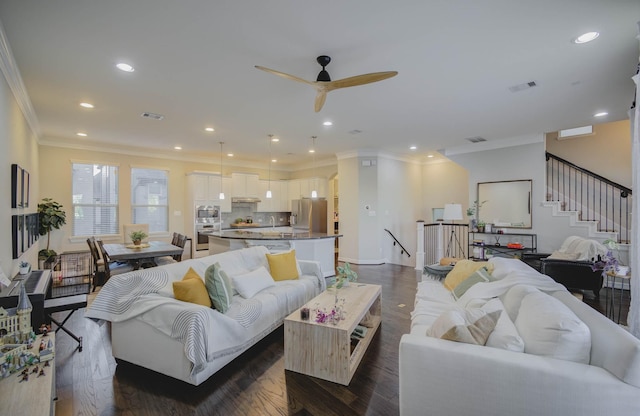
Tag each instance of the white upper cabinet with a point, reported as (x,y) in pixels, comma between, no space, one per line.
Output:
(279,200)
(245,184)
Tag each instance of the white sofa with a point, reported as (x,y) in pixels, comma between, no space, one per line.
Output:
(442,377)
(187,341)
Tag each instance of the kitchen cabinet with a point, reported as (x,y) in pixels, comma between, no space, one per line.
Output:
(301,188)
(204,187)
(245,184)
(227,187)
(279,201)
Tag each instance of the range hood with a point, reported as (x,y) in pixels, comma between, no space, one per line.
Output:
(246,199)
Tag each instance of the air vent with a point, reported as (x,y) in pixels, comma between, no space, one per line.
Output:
(522,87)
(355,131)
(578,131)
(152,116)
(476,139)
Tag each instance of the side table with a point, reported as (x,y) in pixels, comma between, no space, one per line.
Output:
(33,396)
(610,304)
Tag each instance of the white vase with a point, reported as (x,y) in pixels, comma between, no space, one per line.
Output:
(24,270)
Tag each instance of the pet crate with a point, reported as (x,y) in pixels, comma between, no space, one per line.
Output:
(71,273)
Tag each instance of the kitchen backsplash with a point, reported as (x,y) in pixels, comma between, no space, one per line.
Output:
(262,218)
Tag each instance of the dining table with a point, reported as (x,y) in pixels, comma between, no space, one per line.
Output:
(143,253)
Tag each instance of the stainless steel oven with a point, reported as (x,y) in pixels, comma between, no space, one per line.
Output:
(202,235)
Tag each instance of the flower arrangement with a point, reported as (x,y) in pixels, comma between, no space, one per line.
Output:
(335,315)
(609,264)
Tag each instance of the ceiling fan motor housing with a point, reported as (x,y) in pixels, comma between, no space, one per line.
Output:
(323,76)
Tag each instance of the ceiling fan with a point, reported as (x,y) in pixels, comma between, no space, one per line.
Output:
(323,83)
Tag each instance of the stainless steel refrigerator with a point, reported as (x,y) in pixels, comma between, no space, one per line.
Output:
(309,214)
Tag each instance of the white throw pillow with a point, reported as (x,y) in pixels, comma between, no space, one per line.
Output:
(253,282)
(502,267)
(550,329)
(471,326)
(505,335)
(513,298)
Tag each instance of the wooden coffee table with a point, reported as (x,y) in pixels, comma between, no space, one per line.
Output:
(325,350)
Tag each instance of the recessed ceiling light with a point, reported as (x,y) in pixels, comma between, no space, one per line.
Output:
(601,114)
(275,139)
(177,147)
(587,37)
(327,123)
(81,134)
(86,105)
(124,67)
(209,129)
(230,154)
(429,155)
(312,151)
(413,147)
(274,160)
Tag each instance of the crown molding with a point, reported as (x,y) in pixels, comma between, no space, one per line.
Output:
(11,73)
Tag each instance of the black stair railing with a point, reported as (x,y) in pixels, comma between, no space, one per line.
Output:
(395,241)
(595,197)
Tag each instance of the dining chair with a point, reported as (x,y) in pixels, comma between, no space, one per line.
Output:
(111,267)
(98,278)
(178,240)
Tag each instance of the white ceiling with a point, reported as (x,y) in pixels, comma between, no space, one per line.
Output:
(194,62)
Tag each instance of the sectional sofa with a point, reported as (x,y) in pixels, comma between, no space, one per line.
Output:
(549,353)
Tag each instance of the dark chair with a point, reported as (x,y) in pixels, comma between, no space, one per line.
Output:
(178,240)
(111,267)
(572,274)
(98,278)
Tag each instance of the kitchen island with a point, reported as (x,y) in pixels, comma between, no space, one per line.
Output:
(308,245)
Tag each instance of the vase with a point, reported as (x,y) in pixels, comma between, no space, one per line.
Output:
(137,242)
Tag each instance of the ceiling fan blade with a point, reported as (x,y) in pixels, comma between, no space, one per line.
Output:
(359,80)
(283,75)
(321,97)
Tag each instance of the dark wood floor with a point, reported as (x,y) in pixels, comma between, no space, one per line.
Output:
(90,382)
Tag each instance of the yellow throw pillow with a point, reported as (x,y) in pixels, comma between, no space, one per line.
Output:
(283,266)
(460,272)
(192,289)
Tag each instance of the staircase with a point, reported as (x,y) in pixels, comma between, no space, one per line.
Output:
(600,205)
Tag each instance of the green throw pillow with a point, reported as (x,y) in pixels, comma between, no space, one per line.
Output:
(480,275)
(219,287)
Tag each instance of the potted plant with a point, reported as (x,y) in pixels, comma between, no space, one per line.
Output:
(137,236)
(344,276)
(25,267)
(480,226)
(51,217)
(472,211)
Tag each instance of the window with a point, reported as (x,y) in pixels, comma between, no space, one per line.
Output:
(149,200)
(95,199)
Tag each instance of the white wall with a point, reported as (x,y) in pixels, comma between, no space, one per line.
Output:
(525,161)
(19,146)
(399,207)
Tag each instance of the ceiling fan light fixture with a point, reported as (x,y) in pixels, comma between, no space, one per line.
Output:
(586,37)
(125,67)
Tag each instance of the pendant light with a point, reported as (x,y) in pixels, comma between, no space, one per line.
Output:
(314,193)
(268,196)
(221,196)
